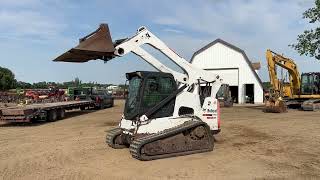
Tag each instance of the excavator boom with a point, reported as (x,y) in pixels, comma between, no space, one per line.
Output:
(275,102)
(275,59)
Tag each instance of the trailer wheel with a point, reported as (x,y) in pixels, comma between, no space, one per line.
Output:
(61,114)
(82,108)
(52,115)
(102,106)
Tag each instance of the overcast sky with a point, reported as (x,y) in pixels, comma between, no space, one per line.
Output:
(33,32)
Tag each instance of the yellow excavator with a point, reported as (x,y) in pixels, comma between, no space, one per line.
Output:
(301,91)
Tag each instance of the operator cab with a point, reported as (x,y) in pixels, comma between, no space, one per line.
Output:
(310,83)
(146,90)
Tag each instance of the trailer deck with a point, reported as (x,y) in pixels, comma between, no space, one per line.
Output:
(46,111)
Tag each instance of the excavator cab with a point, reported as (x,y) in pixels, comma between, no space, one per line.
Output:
(310,83)
(146,91)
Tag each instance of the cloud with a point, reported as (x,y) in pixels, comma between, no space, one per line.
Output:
(231,16)
(55,25)
(252,25)
(19,3)
(166,21)
(28,24)
(173,30)
(33,20)
(305,3)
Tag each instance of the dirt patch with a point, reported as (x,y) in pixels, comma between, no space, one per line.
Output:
(251,145)
(110,124)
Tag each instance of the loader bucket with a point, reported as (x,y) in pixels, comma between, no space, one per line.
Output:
(96,45)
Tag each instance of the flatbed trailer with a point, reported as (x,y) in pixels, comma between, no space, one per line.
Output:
(42,111)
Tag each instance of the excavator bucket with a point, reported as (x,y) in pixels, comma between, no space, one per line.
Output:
(275,106)
(96,45)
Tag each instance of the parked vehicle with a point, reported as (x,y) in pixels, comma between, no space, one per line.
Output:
(42,111)
(224,96)
(101,97)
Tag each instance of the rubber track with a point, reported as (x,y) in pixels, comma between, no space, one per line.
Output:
(135,146)
(110,138)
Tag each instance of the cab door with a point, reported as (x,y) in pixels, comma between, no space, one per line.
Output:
(156,89)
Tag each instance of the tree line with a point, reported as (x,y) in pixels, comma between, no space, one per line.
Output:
(8,81)
(64,85)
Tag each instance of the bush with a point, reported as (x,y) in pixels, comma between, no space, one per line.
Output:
(7,80)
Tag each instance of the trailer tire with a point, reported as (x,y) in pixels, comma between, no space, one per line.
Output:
(61,114)
(82,108)
(52,115)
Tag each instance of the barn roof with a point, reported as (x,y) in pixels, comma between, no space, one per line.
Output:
(232,47)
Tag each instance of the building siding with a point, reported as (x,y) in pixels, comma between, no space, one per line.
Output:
(231,74)
(220,56)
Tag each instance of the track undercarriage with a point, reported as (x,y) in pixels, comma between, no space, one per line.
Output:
(188,138)
(311,105)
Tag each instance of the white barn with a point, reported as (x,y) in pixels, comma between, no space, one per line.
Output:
(234,67)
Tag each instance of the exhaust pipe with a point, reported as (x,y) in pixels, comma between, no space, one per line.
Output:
(96,45)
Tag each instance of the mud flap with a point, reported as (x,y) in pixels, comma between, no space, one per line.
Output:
(96,45)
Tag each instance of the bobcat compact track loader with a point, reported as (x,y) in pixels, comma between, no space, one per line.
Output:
(166,113)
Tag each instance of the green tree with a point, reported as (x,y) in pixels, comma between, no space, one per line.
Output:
(23,85)
(7,80)
(77,82)
(309,42)
(40,85)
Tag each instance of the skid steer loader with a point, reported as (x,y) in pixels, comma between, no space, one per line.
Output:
(166,114)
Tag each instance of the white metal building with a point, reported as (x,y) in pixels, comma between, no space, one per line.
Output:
(234,67)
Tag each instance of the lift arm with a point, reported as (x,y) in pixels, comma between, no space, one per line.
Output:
(144,36)
(134,44)
(102,50)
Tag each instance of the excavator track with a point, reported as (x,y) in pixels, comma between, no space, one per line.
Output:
(189,138)
(311,105)
(111,138)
